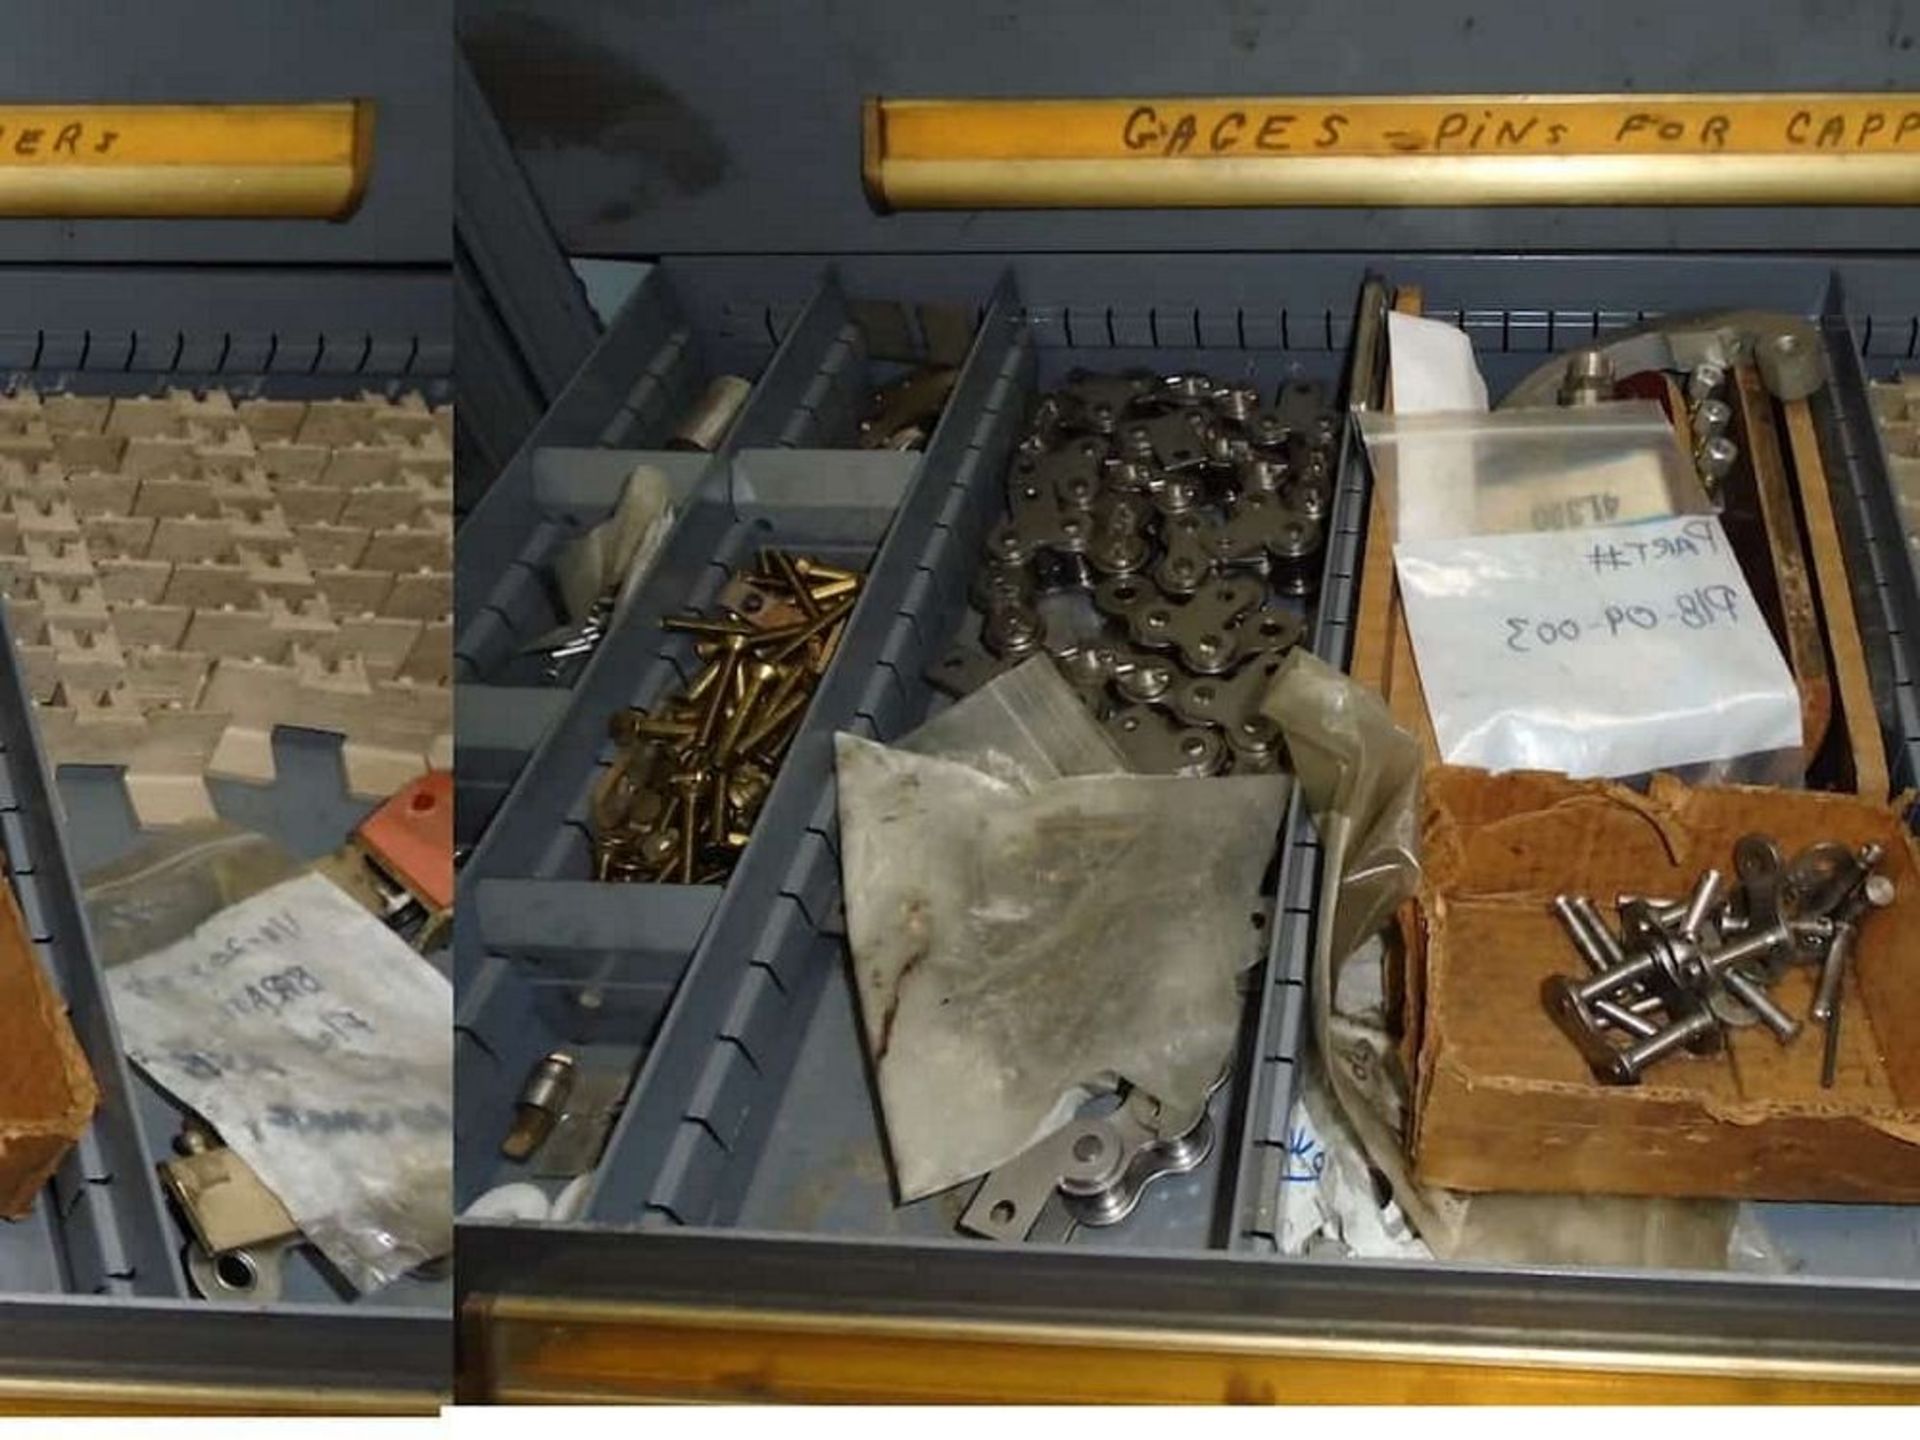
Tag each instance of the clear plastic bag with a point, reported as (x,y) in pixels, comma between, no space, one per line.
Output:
(1021,942)
(1456,473)
(318,1046)
(169,885)
(1025,727)
(1615,651)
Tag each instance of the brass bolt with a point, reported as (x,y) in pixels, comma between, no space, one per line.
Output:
(717,811)
(815,570)
(828,617)
(756,676)
(660,728)
(833,589)
(700,625)
(710,717)
(689,784)
(702,682)
(806,599)
(774,719)
(621,728)
(782,633)
(829,646)
(792,676)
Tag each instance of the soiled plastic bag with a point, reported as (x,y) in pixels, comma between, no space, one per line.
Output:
(1021,942)
(316,1043)
(1360,773)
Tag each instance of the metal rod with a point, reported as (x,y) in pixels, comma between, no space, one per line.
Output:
(1706,894)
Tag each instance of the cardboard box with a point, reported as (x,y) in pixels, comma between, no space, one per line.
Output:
(1503,1101)
(47,1091)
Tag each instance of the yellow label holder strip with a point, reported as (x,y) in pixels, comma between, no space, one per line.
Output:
(1666,150)
(185,161)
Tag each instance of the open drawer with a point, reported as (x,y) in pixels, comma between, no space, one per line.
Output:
(749,1166)
(92,1279)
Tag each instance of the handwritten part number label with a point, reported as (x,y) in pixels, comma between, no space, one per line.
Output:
(320,1047)
(1697,609)
(1614,650)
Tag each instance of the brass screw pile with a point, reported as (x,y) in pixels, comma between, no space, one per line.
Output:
(680,799)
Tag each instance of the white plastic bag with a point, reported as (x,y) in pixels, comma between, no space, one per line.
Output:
(1606,652)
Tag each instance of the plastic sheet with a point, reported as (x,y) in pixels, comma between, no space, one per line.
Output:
(1021,943)
(1025,727)
(1456,473)
(616,554)
(161,891)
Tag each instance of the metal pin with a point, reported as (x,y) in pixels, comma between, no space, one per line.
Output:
(1630,1062)
(1832,971)
(710,717)
(1602,932)
(791,678)
(701,625)
(1583,941)
(689,784)
(754,681)
(1830,1052)
(772,720)
(834,589)
(783,565)
(1625,1019)
(1706,894)
(815,570)
(1756,999)
(828,617)
(717,811)
(1617,978)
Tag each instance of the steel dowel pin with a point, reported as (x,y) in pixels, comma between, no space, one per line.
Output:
(1583,940)
(1630,1062)
(1706,894)
(1624,1019)
(1755,998)
(1839,952)
(1601,932)
(1641,967)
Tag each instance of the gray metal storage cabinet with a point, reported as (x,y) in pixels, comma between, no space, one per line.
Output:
(747,1176)
(94,1306)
